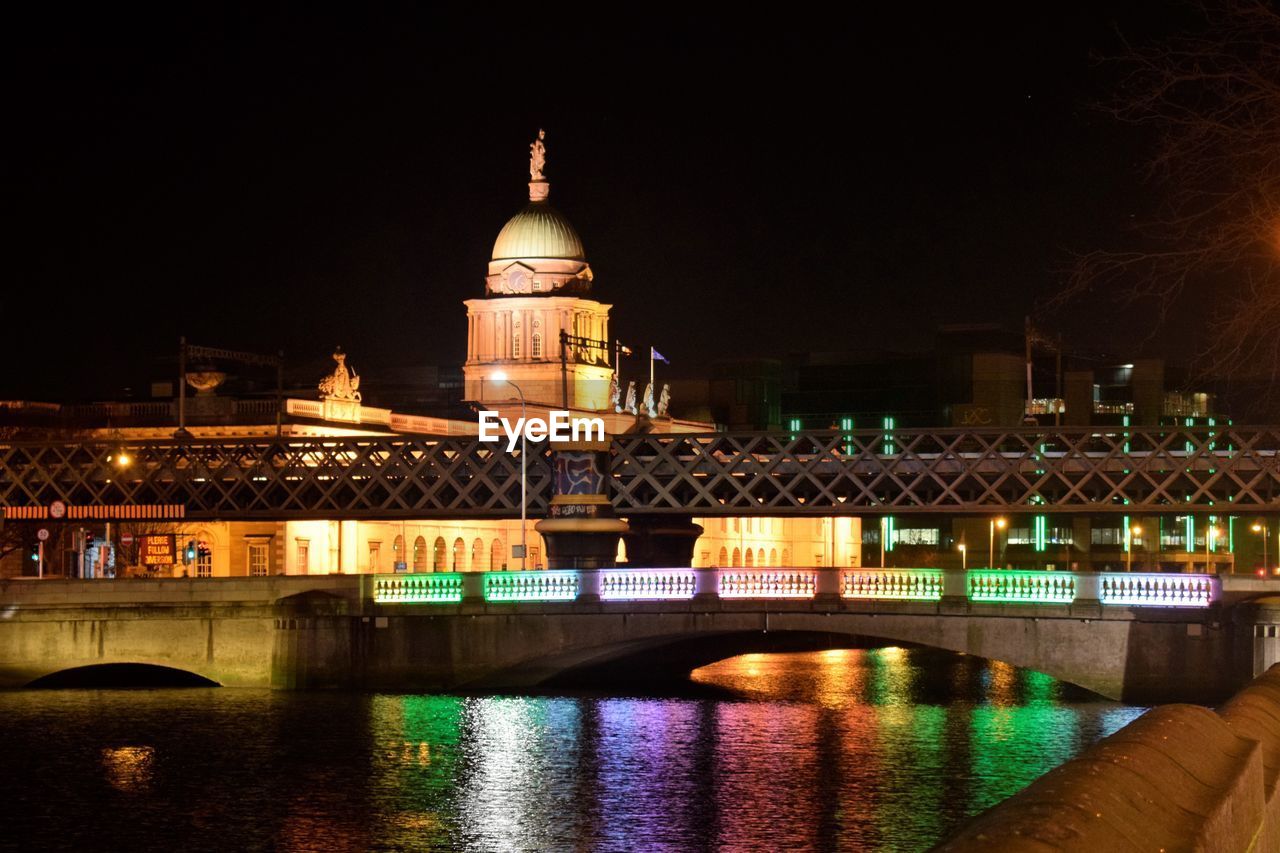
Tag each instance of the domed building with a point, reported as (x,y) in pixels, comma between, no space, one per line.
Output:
(537,290)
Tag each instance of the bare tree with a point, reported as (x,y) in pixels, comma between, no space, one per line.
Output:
(1213,100)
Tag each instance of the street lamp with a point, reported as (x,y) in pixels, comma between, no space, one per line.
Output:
(501,376)
(964,557)
(1261,527)
(991,541)
(1134,533)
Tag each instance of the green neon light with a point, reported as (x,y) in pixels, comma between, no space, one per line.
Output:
(1127,532)
(434,588)
(1190,531)
(846,424)
(531,586)
(888,527)
(1211,540)
(1041,527)
(888,435)
(1021,587)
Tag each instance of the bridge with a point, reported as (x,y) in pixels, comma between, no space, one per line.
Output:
(1137,637)
(1046,470)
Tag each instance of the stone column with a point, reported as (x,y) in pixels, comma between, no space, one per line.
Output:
(581,532)
(662,542)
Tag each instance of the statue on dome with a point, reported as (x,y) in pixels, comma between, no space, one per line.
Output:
(343,383)
(664,400)
(631,398)
(537,157)
(615,394)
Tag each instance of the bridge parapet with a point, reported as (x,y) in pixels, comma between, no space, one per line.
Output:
(983,586)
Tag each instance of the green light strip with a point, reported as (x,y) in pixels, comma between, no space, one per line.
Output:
(1022,587)
(531,586)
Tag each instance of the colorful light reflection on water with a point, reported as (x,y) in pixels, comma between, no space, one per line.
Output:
(847,749)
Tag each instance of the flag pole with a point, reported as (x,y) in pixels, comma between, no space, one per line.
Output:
(651,365)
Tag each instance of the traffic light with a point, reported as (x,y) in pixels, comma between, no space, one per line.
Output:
(88,540)
(189,555)
(35,553)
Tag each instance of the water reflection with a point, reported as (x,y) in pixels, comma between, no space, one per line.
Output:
(845,749)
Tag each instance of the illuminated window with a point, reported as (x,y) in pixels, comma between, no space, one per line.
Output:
(420,554)
(303,555)
(750,559)
(535,345)
(459,555)
(916,536)
(204,560)
(477,555)
(737,559)
(496,555)
(515,343)
(258,556)
(533,558)
(724,558)
(440,556)
(375,556)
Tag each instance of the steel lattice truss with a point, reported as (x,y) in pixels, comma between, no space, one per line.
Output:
(276,479)
(1071,470)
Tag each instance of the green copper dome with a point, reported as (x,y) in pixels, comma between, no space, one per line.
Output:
(538,231)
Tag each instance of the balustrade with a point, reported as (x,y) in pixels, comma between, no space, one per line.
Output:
(898,584)
(435,588)
(647,584)
(984,586)
(531,586)
(1022,587)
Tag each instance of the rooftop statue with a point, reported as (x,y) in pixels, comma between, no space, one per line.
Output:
(537,157)
(649,408)
(615,393)
(343,383)
(664,400)
(631,398)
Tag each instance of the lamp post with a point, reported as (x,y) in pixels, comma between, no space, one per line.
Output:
(964,557)
(1261,527)
(501,376)
(1134,533)
(991,541)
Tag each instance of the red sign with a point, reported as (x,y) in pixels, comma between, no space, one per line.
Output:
(157,550)
(126,539)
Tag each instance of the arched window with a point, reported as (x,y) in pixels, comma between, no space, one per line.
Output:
(397,551)
(496,563)
(724,558)
(477,555)
(773,556)
(419,554)
(786,558)
(440,558)
(760,557)
(535,345)
(459,555)
(737,558)
(750,558)
(515,342)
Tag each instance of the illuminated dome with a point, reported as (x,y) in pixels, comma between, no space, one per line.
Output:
(538,231)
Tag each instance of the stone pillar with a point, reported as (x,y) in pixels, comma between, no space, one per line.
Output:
(955,589)
(828,586)
(473,587)
(1088,590)
(706,584)
(661,543)
(588,586)
(581,532)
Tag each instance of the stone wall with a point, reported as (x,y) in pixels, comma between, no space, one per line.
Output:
(1180,777)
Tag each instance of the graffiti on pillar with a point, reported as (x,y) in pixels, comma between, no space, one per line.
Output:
(578,473)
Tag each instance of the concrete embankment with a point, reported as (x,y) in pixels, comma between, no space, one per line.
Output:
(1180,777)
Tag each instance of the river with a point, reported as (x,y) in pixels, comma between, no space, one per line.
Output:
(848,749)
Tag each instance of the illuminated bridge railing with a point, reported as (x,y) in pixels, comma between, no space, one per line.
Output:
(1003,585)
(531,586)
(768,583)
(980,586)
(1157,590)
(892,584)
(647,584)
(436,588)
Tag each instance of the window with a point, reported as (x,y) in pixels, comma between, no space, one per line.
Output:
(750,558)
(459,555)
(724,558)
(1106,536)
(477,555)
(535,345)
(786,557)
(304,556)
(375,556)
(759,556)
(533,558)
(419,554)
(737,559)
(537,285)
(515,340)
(916,536)
(258,556)
(204,560)
(496,562)
(773,556)
(439,557)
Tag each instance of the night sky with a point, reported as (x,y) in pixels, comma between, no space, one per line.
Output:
(294,180)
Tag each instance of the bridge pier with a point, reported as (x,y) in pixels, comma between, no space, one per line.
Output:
(662,542)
